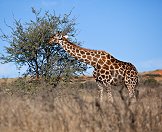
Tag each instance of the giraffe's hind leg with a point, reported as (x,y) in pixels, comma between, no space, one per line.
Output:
(131,90)
(131,86)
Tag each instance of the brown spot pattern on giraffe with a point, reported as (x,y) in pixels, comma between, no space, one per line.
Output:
(107,69)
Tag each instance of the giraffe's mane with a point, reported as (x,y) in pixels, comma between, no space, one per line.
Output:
(85,49)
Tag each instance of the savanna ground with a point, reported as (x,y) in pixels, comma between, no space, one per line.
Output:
(36,106)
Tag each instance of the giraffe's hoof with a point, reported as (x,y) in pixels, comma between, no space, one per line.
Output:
(133,100)
(98,105)
(111,100)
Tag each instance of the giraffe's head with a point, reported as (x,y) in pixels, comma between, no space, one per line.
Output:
(56,38)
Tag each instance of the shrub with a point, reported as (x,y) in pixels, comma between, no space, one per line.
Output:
(151,82)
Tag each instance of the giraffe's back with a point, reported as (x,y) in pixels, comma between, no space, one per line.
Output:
(113,71)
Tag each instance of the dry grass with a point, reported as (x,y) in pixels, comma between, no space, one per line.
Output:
(39,107)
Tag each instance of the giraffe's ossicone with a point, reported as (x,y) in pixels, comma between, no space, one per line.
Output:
(108,71)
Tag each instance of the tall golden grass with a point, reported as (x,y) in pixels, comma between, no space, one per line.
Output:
(39,107)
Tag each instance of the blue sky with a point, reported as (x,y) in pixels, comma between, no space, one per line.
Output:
(130,30)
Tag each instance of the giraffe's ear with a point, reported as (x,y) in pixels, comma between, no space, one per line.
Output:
(58,34)
(66,36)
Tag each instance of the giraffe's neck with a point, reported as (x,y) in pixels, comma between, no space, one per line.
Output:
(91,57)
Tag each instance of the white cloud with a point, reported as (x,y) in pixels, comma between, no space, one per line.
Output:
(48,3)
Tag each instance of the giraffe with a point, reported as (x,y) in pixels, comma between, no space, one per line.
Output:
(108,71)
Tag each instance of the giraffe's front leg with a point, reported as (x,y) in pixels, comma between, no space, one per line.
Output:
(110,98)
(100,92)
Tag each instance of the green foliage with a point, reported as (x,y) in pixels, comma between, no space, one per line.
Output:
(151,82)
(28,46)
(23,86)
(152,75)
